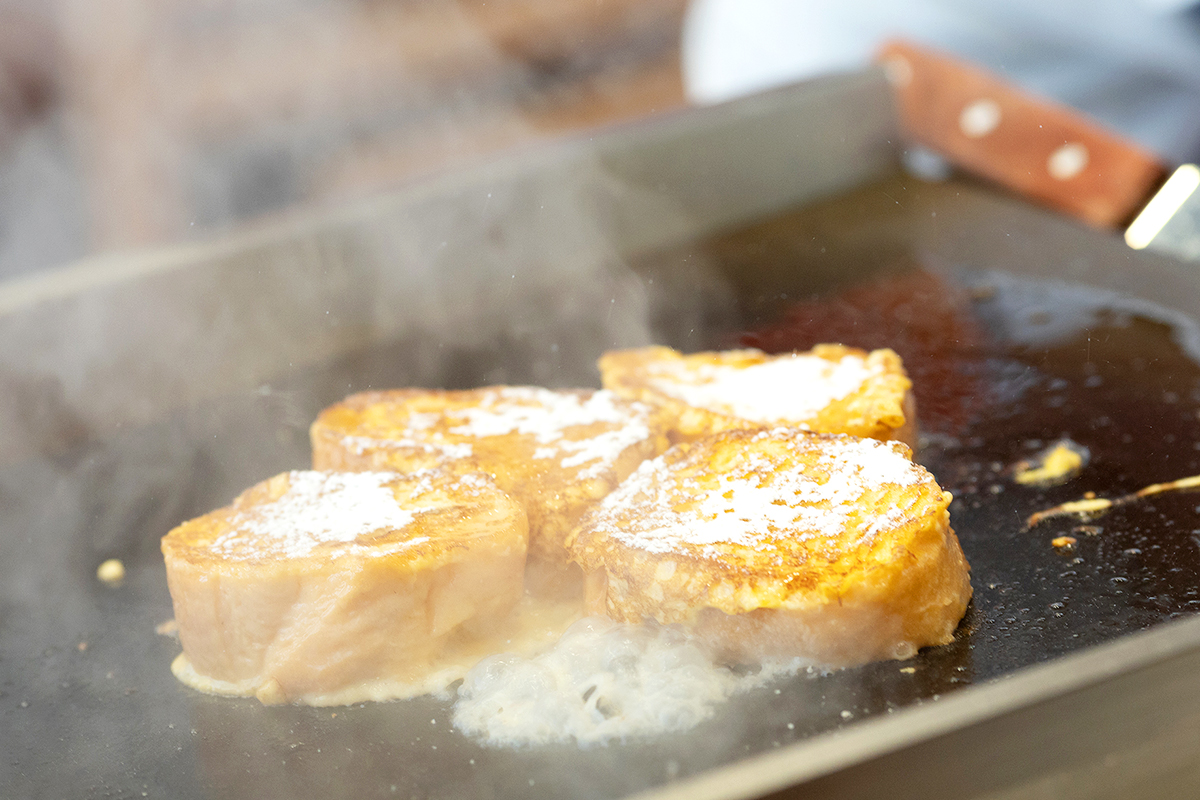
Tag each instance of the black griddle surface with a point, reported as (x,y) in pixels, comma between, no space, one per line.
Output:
(88,707)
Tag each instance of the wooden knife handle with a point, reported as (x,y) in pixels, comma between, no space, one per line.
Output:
(1035,147)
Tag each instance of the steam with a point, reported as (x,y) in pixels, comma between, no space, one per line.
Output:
(602,681)
(140,390)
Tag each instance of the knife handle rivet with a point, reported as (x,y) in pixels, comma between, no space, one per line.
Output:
(1067,161)
(898,71)
(979,118)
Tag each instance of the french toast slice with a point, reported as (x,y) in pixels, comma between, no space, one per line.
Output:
(557,452)
(329,588)
(829,389)
(781,543)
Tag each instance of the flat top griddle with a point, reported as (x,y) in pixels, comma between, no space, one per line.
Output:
(1072,346)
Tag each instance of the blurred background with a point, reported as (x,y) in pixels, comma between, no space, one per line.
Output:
(131,123)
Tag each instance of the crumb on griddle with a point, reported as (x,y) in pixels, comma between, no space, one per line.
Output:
(1092,506)
(1055,465)
(111,572)
(1084,508)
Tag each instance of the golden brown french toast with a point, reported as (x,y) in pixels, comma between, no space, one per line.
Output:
(557,452)
(329,588)
(830,389)
(780,542)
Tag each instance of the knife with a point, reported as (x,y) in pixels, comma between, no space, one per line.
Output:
(1043,150)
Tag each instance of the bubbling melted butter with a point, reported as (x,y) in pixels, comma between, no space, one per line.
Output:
(602,681)
(547,674)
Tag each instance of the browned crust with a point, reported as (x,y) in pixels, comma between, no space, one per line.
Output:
(883,408)
(554,498)
(837,601)
(299,621)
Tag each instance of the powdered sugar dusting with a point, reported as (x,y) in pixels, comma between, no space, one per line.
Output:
(793,387)
(602,448)
(451,450)
(755,503)
(534,411)
(549,417)
(318,508)
(588,430)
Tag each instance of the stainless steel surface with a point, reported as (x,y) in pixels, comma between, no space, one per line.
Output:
(1118,720)
(138,391)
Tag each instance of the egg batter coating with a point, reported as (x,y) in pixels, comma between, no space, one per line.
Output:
(330,588)
(829,389)
(556,452)
(781,543)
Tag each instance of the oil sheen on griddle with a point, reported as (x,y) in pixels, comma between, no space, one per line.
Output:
(1004,369)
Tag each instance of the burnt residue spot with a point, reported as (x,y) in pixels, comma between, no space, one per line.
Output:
(1125,382)
(926,319)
